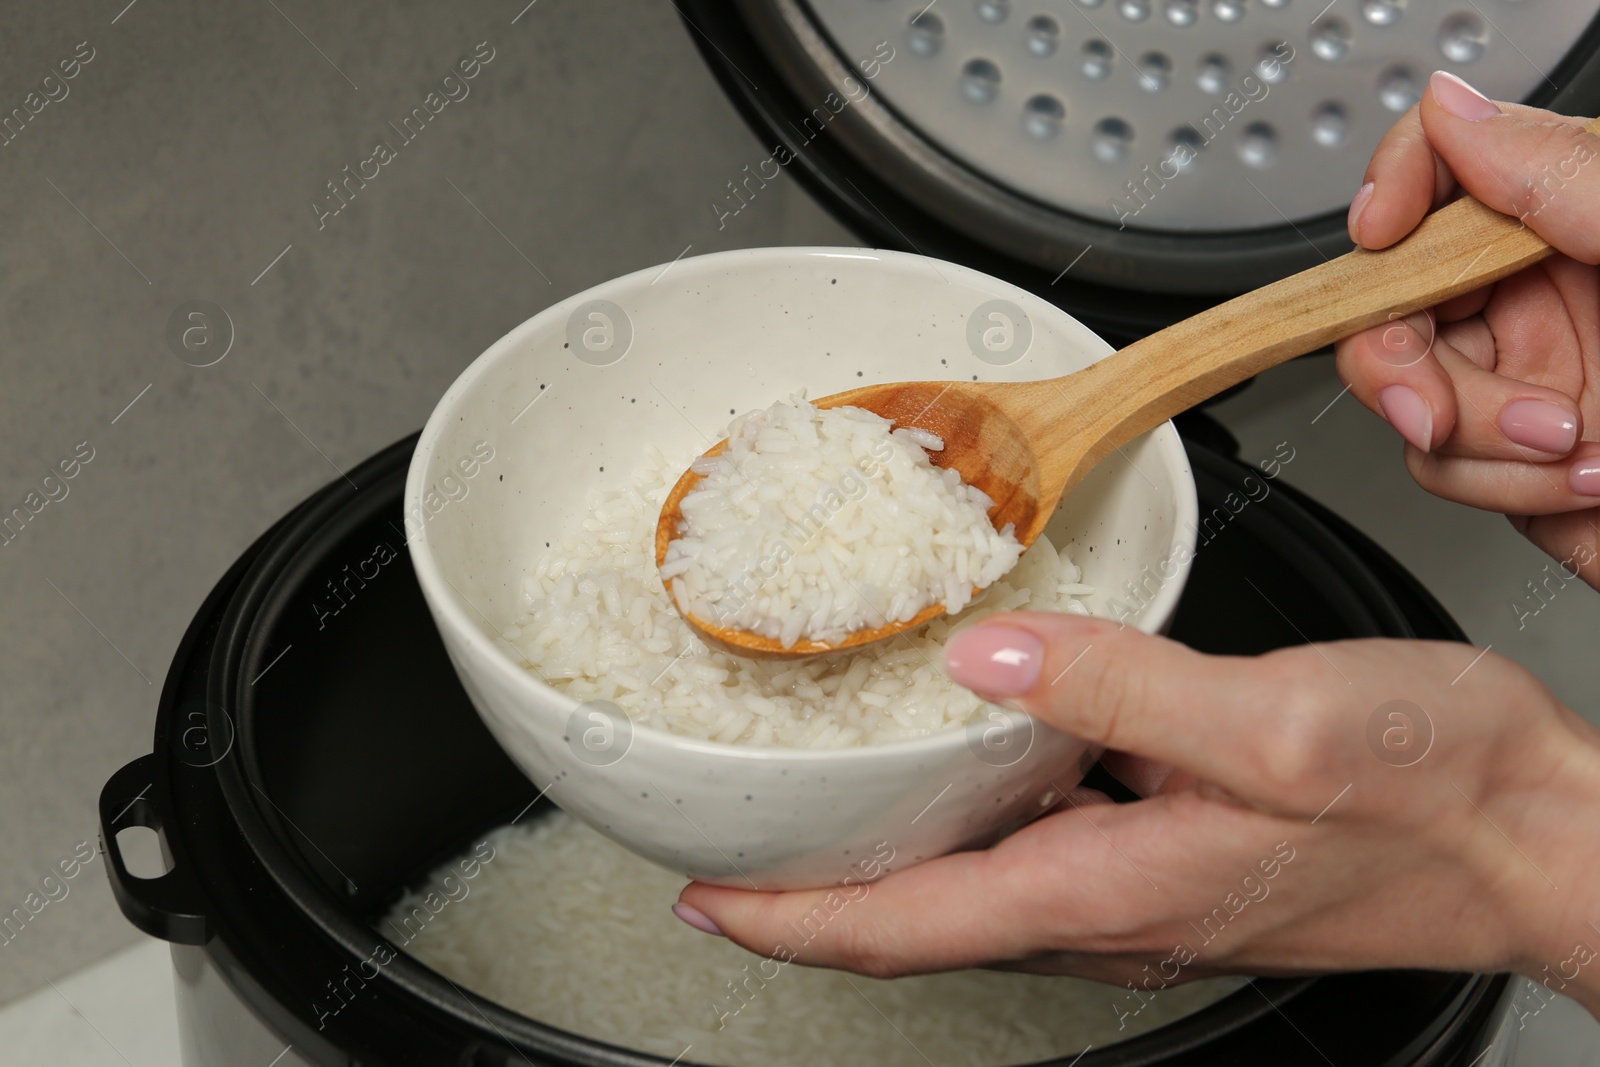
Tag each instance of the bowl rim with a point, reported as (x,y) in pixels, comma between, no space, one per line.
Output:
(446,604)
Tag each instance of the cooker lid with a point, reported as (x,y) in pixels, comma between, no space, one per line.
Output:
(1099,152)
(1246,113)
(337,760)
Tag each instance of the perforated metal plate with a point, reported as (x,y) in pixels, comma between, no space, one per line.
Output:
(1188,115)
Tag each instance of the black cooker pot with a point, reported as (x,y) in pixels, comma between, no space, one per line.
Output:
(308,766)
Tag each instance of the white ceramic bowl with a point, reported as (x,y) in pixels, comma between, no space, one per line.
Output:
(662,358)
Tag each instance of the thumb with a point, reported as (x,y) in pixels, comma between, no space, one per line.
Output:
(1213,716)
(1521,161)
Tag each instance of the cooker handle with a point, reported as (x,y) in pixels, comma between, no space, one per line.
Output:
(168,907)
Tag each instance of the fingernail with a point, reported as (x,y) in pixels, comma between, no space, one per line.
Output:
(1539,424)
(1409,413)
(1585,477)
(697,919)
(1357,206)
(1459,98)
(994,661)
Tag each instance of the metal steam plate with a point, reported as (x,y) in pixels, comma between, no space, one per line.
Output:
(1178,115)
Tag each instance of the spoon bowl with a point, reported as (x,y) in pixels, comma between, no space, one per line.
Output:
(994,455)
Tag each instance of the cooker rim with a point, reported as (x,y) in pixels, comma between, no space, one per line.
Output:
(231,937)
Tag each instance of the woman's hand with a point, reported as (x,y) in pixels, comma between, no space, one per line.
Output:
(1351,805)
(1497,393)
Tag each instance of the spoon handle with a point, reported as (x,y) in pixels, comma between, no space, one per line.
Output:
(1457,249)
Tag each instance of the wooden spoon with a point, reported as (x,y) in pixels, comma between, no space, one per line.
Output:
(1025,444)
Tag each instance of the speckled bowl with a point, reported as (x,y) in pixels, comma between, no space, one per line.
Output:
(567,401)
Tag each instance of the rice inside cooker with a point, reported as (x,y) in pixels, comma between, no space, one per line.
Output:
(565,926)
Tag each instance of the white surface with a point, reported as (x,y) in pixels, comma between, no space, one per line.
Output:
(115,1013)
(711,335)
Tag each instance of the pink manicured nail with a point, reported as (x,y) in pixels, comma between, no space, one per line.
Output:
(1357,206)
(1539,424)
(994,661)
(1459,98)
(697,919)
(1585,477)
(1409,413)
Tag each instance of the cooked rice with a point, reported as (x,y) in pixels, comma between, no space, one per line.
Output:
(817,523)
(598,625)
(571,929)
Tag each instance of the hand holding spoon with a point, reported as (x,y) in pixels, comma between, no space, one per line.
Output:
(1025,444)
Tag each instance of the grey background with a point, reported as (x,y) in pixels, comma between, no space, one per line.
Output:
(596,142)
